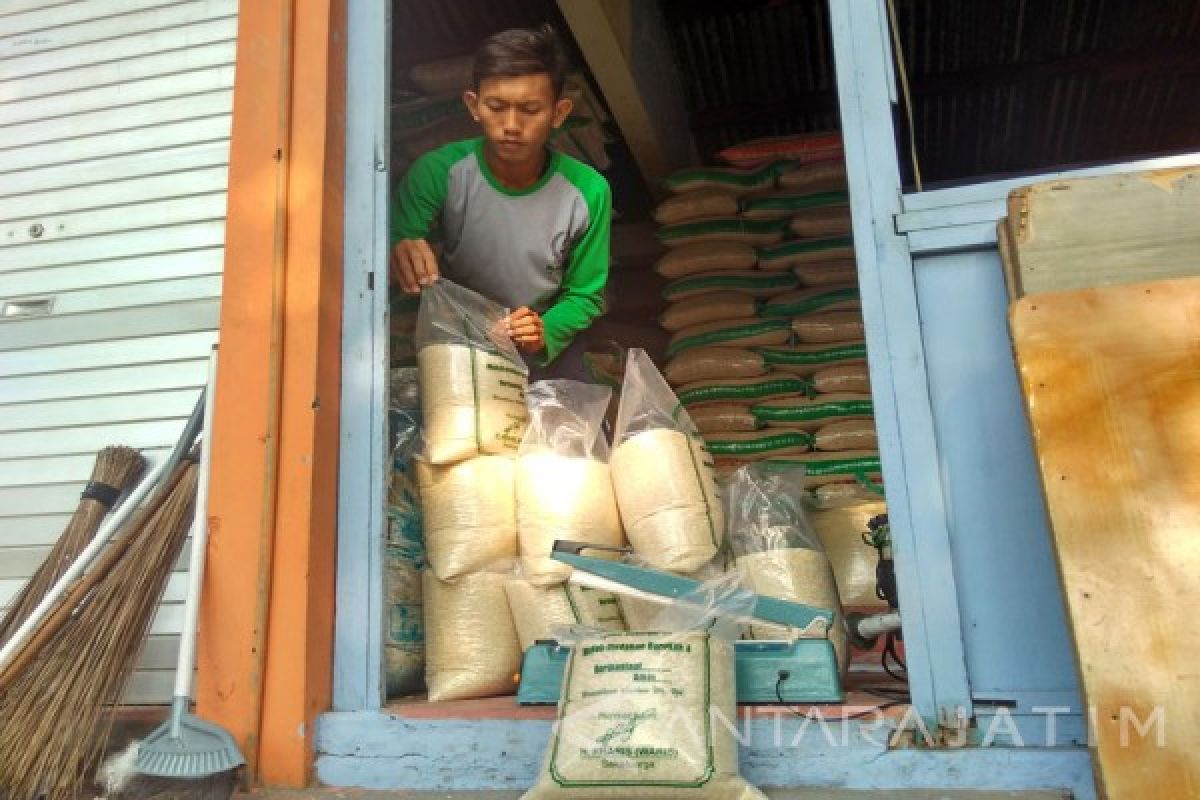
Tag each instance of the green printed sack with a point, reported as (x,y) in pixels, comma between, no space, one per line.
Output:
(704,363)
(805,251)
(691,259)
(826,273)
(719,417)
(787,206)
(733,180)
(805,359)
(812,413)
(822,223)
(733,332)
(752,282)
(806,301)
(756,445)
(823,176)
(642,715)
(696,205)
(725,229)
(828,326)
(708,307)
(847,434)
(821,469)
(743,389)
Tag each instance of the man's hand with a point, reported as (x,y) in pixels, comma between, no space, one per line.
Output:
(414,265)
(526,329)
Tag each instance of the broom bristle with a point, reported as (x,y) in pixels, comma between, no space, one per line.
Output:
(52,717)
(117,467)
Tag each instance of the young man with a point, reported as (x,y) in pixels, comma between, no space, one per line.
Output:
(524,225)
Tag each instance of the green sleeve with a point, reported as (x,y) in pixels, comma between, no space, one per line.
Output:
(582,297)
(420,197)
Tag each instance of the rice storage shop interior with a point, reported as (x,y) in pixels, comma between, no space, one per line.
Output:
(803,258)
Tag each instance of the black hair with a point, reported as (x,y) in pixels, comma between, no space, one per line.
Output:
(522,51)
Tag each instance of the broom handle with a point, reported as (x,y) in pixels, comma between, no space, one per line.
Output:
(191,609)
(107,530)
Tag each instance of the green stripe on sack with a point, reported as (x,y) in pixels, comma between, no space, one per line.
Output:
(704,394)
(793,202)
(768,280)
(725,225)
(799,246)
(778,441)
(773,355)
(773,308)
(813,411)
(831,466)
(726,334)
(746,180)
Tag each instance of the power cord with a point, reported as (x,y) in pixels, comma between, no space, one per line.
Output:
(890,703)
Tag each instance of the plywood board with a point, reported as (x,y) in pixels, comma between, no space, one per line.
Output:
(1112,384)
(1113,229)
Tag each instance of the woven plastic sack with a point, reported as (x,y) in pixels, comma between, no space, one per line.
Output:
(807,301)
(752,282)
(788,205)
(471,647)
(828,326)
(473,380)
(715,418)
(778,550)
(841,531)
(663,479)
(704,363)
(805,148)
(812,413)
(563,486)
(773,384)
(550,612)
(806,359)
(786,255)
(696,205)
(732,333)
(843,378)
(708,307)
(823,176)
(728,179)
(820,469)
(825,273)
(639,713)
(470,514)
(694,259)
(724,229)
(822,223)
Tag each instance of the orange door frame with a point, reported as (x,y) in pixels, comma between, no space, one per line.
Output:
(266,632)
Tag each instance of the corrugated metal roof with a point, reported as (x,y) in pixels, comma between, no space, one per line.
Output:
(999,87)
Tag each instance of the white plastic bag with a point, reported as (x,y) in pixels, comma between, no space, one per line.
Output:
(663,478)
(473,380)
(563,486)
(547,612)
(639,714)
(779,552)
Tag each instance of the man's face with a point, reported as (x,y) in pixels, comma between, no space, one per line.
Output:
(518,114)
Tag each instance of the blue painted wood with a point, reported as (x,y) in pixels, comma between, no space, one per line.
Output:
(1014,622)
(358,638)
(904,419)
(380,751)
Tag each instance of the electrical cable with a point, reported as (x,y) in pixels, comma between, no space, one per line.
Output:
(843,718)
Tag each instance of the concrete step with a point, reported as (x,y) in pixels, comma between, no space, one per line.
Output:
(774,794)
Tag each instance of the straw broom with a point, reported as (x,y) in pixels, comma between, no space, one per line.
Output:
(115,469)
(52,711)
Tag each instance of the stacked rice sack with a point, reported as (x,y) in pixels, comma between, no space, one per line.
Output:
(432,113)
(767,351)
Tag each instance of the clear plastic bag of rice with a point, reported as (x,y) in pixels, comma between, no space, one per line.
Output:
(640,714)
(550,612)
(778,550)
(473,380)
(469,514)
(662,475)
(563,486)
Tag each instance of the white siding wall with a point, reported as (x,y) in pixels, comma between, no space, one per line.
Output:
(114,147)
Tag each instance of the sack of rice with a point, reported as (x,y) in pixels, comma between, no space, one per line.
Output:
(696,204)
(731,332)
(693,259)
(843,378)
(470,514)
(563,488)
(805,359)
(805,251)
(828,326)
(749,282)
(812,413)
(639,613)
(638,713)
(841,532)
(847,434)
(718,417)
(471,646)
(757,445)
(703,363)
(724,229)
(663,478)
(805,148)
(727,179)
(807,301)
(822,223)
(708,307)
(822,468)
(472,378)
(747,389)
(404,550)
(845,494)
(825,273)
(788,205)
(779,552)
(546,612)
(823,176)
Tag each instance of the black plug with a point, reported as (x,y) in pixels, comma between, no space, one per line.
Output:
(784,674)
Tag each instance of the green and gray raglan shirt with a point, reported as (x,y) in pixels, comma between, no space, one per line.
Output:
(545,247)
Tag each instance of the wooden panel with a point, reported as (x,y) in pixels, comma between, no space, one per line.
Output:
(1071,234)
(1112,383)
